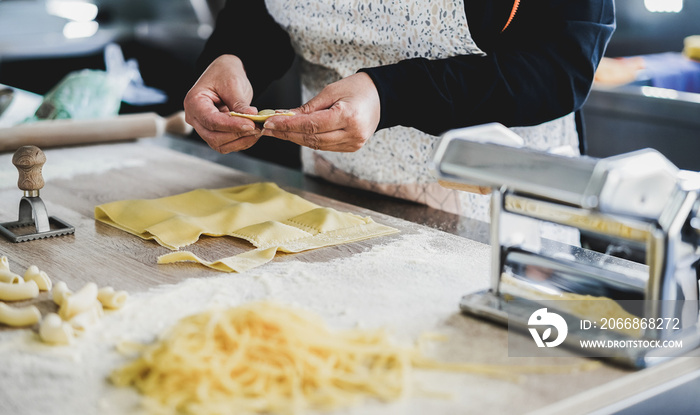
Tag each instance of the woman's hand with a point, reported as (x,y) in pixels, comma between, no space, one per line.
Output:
(223,87)
(342,117)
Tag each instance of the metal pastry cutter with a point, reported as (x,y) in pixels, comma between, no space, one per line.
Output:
(638,202)
(33,222)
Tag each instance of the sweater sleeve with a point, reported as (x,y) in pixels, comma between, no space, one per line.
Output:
(245,28)
(540,68)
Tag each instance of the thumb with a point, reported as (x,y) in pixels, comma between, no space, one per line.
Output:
(241,108)
(321,101)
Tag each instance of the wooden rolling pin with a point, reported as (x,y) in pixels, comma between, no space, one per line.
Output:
(56,133)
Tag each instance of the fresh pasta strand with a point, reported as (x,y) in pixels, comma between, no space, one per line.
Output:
(265,358)
(19,316)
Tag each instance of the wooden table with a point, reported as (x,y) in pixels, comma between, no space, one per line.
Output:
(408,294)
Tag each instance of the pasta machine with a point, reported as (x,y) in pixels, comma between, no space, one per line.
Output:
(638,210)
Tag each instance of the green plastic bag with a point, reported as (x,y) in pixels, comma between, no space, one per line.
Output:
(92,93)
(84,94)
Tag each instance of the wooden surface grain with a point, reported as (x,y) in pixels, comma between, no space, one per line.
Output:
(97,250)
(78,179)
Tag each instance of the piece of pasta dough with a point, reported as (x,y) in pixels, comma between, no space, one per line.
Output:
(19,316)
(179,220)
(54,330)
(262,115)
(112,299)
(10,277)
(17,292)
(270,218)
(78,302)
(87,318)
(4,263)
(40,277)
(59,292)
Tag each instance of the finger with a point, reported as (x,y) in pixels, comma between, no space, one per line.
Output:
(240,144)
(208,110)
(318,102)
(243,109)
(336,140)
(216,125)
(321,121)
(218,139)
(226,143)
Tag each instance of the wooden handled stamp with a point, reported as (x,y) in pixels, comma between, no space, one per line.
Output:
(34,221)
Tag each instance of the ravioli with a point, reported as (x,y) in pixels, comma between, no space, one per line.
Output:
(270,218)
(261,115)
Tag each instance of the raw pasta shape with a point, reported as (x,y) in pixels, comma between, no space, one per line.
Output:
(17,292)
(10,277)
(53,330)
(59,292)
(80,301)
(4,263)
(261,213)
(239,263)
(325,219)
(265,358)
(40,277)
(111,299)
(252,259)
(270,233)
(19,316)
(179,220)
(261,116)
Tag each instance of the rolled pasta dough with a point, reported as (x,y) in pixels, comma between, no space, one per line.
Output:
(263,214)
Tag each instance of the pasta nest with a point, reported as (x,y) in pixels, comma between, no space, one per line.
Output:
(265,358)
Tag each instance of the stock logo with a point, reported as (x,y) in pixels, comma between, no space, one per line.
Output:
(542,318)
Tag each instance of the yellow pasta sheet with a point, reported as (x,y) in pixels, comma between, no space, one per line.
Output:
(261,213)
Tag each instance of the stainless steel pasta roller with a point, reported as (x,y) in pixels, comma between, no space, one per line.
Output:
(34,221)
(636,203)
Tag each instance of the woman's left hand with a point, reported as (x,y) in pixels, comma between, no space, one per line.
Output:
(342,117)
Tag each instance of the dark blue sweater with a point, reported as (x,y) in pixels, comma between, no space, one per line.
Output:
(538,69)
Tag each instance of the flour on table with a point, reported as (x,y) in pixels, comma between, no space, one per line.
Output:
(408,285)
(66,163)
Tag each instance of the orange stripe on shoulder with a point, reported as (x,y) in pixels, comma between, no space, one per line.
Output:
(516,3)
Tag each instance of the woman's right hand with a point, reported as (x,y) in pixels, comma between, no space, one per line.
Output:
(223,87)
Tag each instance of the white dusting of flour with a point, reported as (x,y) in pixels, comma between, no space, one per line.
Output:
(408,285)
(66,163)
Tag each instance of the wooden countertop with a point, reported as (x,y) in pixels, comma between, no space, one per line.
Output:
(408,294)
